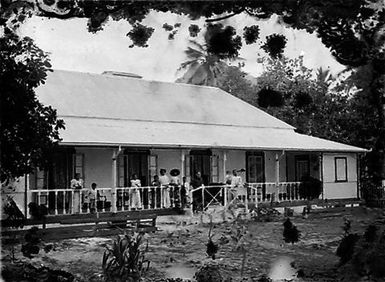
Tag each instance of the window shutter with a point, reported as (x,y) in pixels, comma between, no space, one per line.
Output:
(187,167)
(41,179)
(79,165)
(121,175)
(152,167)
(214,160)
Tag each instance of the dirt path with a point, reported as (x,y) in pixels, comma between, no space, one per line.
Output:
(183,247)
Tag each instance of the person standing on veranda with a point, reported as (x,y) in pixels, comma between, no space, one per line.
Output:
(164,184)
(136,202)
(76,185)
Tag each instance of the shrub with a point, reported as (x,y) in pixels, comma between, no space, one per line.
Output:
(125,261)
(368,258)
(364,255)
(290,232)
(208,273)
(345,249)
(32,240)
(310,188)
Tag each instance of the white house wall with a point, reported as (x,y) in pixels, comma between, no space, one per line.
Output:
(97,166)
(235,159)
(270,166)
(339,190)
(168,159)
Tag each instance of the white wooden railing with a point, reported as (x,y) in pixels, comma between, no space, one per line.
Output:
(255,193)
(72,201)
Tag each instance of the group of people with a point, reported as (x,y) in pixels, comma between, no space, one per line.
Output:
(90,195)
(165,183)
(172,190)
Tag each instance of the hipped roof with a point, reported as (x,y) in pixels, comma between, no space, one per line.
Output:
(107,110)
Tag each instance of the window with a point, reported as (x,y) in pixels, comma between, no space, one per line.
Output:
(152,167)
(41,179)
(214,169)
(79,165)
(341,169)
(122,160)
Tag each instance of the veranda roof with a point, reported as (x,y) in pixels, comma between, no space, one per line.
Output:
(106,110)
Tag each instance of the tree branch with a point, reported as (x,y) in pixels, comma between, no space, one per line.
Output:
(224,17)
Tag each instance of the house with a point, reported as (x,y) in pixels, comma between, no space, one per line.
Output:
(118,124)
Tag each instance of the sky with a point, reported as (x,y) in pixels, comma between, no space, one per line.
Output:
(72,47)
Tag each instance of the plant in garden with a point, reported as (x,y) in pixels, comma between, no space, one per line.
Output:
(211,247)
(242,239)
(208,273)
(363,255)
(32,240)
(346,247)
(125,261)
(290,232)
(310,188)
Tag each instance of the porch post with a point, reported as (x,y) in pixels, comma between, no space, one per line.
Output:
(224,175)
(115,155)
(182,159)
(321,173)
(26,194)
(277,176)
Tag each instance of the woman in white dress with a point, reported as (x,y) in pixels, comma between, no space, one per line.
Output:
(135,200)
(77,185)
(165,188)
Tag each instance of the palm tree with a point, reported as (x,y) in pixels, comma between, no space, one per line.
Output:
(324,76)
(202,67)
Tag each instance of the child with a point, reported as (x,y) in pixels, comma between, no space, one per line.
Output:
(92,197)
(184,192)
(154,200)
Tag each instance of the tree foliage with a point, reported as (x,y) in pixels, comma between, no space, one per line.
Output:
(29,130)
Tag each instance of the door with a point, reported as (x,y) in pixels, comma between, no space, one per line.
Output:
(255,168)
(200,161)
(302,167)
(138,163)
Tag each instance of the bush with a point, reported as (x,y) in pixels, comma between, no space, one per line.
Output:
(310,188)
(290,232)
(364,255)
(32,240)
(345,249)
(125,260)
(208,273)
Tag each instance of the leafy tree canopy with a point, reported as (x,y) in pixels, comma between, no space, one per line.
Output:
(351,28)
(29,130)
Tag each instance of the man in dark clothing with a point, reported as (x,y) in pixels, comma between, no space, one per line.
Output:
(196,182)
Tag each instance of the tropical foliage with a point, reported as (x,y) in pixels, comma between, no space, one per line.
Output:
(202,68)
(29,129)
(125,261)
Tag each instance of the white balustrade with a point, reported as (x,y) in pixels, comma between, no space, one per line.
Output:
(62,201)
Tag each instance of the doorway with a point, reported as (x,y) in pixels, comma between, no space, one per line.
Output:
(200,161)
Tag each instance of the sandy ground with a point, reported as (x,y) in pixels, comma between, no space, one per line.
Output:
(178,250)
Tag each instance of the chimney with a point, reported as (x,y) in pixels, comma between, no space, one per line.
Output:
(121,74)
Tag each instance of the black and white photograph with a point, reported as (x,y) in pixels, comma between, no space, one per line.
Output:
(192,141)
